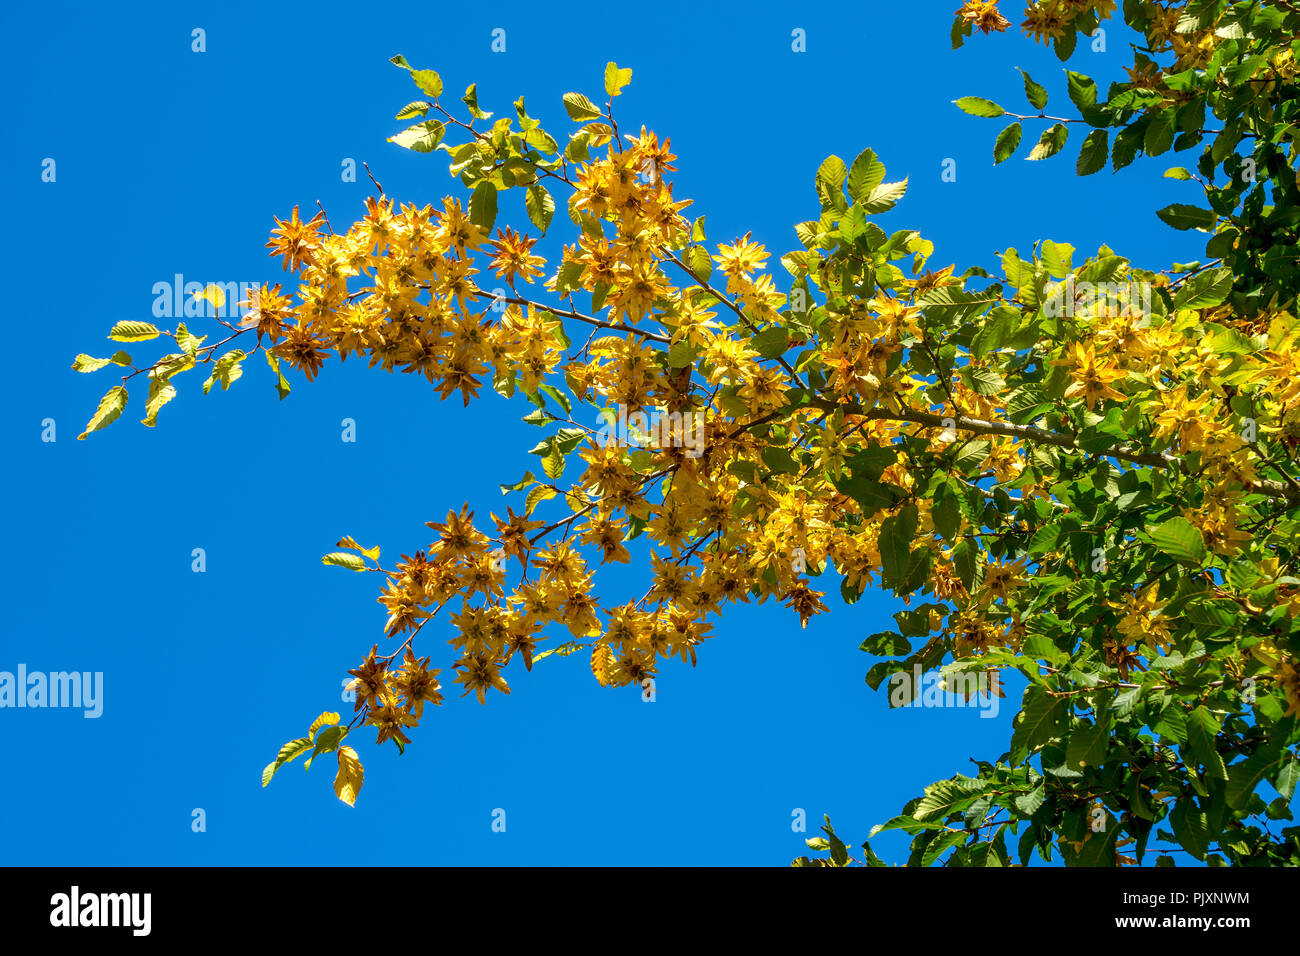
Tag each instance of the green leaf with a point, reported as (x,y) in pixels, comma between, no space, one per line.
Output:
(470,99)
(895,544)
(946,797)
(560,398)
(1035,93)
(133,332)
(1181,540)
(1126,146)
(1006,143)
(86,363)
(519,485)
(161,391)
(414,108)
(1159,134)
(553,463)
(110,408)
(1182,216)
(1058,257)
(483,205)
(1191,827)
(1205,289)
(281,384)
(866,173)
(1244,777)
(1050,143)
(429,81)
(779,460)
(289,752)
(1093,153)
(946,512)
(327,741)
(225,370)
(1201,731)
(581,109)
(1087,746)
(422,137)
(978,106)
(540,206)
(345,559)
(771,342)
(884,197)
(1028,803)
(1082,90)
(1039,721)
(1287,778)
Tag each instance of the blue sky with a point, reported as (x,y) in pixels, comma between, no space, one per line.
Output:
(170,161)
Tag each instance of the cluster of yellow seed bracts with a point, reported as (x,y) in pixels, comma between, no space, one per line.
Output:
(722,526)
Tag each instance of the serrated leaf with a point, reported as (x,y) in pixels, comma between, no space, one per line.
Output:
(540,206)
(110,408)
(290,751)
(536,496)
(327,718)
(1183,216)
(429,81)
(470,99)
(414,108)
(350,778)
(1093,153)
(884,197)
(1006,143)
(1034,92)
(1181,540)
(421,138)
(131,331)
(978,106)
(343,559)
(866,173)
(580,109)
(225,370)
(347,541)
(87,363)
(553,462)
(483,205)
(281,384)
(1082,90)
(161,391)
(1050,143)
(1205,289)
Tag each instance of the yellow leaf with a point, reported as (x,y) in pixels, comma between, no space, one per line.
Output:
(616,79)
(328,717)
(602,661)
(347,784)
(350,542)
(287,753)
(212,293)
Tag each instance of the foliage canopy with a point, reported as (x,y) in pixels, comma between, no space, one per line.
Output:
(1079,469)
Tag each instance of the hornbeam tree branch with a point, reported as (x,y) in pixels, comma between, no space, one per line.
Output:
(1041,436)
